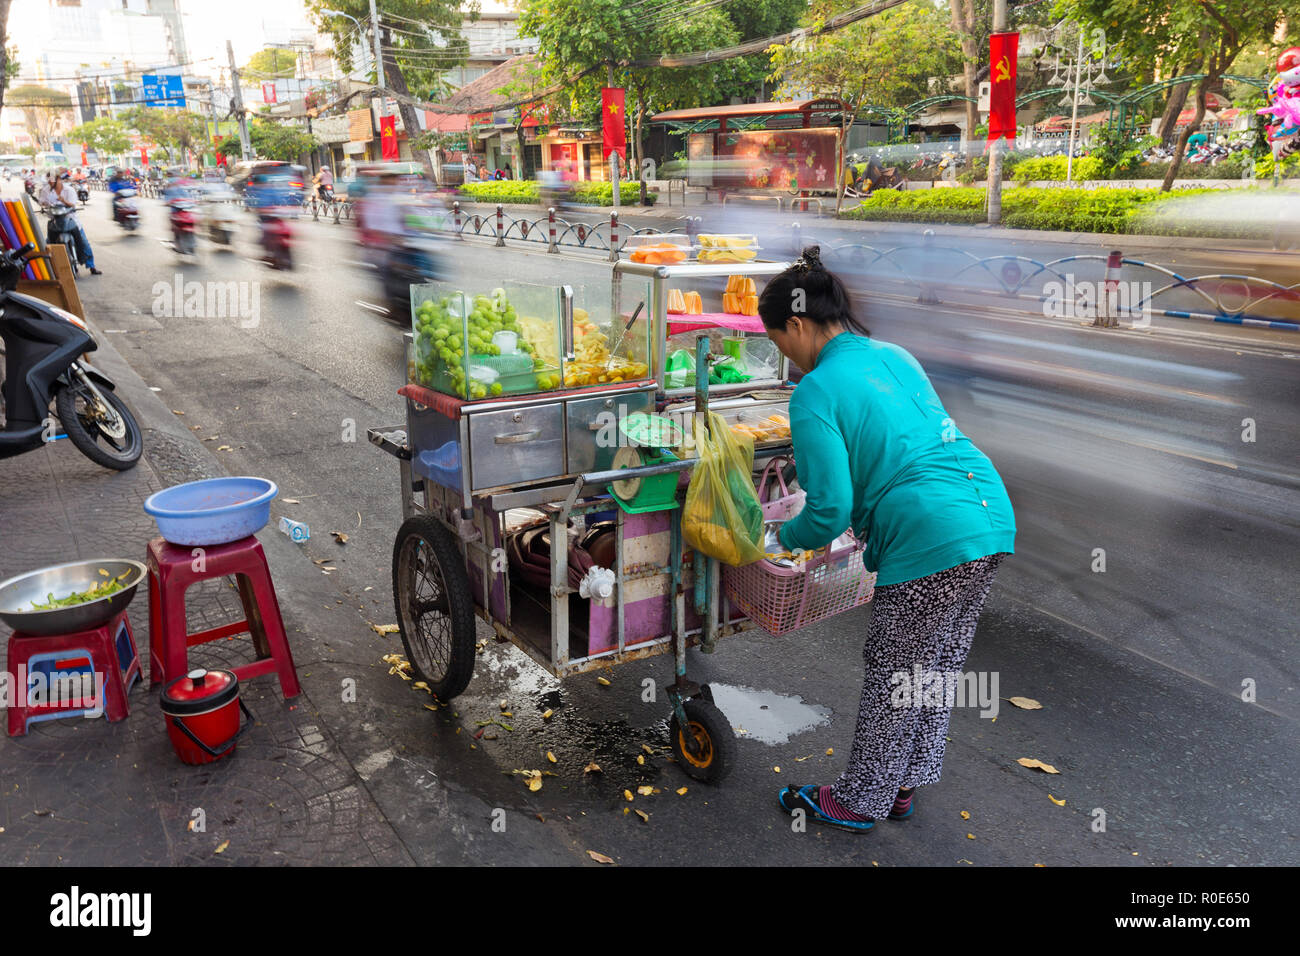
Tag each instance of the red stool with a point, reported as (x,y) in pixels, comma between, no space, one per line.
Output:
(172,571)
(60,661)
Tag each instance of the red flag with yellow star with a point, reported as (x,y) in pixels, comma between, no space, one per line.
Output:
(613,123)
(1002,93)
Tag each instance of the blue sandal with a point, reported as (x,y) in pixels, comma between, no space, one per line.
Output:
(802,798)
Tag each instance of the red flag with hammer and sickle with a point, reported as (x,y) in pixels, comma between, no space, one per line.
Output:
(388,138)
(1002,94)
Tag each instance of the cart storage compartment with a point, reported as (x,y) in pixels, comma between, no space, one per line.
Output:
(516,445)
(593,428)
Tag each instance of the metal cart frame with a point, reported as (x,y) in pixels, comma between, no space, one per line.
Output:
(437,519)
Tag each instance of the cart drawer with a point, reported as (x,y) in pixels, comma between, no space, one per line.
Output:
(515,445)
(592,425)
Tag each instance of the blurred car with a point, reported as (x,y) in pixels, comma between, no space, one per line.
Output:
(243,171)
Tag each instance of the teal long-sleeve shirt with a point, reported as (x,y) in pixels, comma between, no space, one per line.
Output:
(876,452)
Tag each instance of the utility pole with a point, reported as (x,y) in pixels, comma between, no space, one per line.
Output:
(995,147)
(379,60)
(1074,115)
(237,102)
(613,155)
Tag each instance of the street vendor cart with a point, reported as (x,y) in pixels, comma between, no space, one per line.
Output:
(543,464)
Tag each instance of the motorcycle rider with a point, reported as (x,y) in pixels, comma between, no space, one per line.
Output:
(325,184)
(58,190)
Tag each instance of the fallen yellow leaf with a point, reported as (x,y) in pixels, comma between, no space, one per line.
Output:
(592,767)
(970,836)
(222,848)
(1031,763)
(681,792)
(599,857)
(1026,703)
(645,791)
(776,769)
(648,749)
(628,794)
(645,817)
(1059,803)
(547,716)
(965,861)
(430,706)
(626,811)
(830,751)
(965,814)
(602,681)
(534,784)
(640,758)
(551,757)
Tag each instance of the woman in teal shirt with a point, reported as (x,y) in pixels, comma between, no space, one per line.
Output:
(877,453)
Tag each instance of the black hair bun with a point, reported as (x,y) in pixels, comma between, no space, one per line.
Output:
(812,255)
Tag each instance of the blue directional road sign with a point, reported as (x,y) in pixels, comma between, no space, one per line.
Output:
(164,90)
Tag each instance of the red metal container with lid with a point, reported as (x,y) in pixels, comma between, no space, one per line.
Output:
(202,712)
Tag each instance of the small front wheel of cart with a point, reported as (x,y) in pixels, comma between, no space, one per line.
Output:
(712,736)
(431,592)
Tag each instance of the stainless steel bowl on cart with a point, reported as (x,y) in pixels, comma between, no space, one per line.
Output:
(516,405)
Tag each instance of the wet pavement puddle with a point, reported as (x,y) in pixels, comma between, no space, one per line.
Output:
(765,715)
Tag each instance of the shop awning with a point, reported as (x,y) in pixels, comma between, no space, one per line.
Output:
(446,122)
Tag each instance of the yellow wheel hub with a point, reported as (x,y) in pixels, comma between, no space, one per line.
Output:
(701,736)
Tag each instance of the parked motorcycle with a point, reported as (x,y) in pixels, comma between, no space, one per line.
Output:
(126,209)
(44,346)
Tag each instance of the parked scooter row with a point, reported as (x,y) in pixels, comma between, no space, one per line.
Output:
(43,350)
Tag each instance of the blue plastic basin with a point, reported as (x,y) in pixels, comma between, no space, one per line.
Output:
(211,512)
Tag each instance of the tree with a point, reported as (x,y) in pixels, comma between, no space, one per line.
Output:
(172,129)
(106,136)
(271,140)
(419,40)
(599,38)
(272,63)
(884,60)
(40,106)
(745,76)
(1211,32)
(8,54)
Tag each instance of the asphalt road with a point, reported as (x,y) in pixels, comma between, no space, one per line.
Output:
(1119,444)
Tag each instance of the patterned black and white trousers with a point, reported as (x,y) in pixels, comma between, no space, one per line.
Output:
(928,623)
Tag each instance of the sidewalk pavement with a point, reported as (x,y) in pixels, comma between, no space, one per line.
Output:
(91,793)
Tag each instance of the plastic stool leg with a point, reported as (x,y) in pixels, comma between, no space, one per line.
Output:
(273,625)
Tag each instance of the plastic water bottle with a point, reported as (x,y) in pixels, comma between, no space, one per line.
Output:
(296,530)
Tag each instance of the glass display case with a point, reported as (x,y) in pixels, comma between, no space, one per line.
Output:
(611,335)
(520,338)
(489,343)
(719,299)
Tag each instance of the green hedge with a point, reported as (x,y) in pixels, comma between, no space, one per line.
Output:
(1055,168)
(503,191)
(1232,214)
(527,191)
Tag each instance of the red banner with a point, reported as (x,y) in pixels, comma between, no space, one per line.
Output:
(1002,92)
(388,137)
(144,155)
(613,124)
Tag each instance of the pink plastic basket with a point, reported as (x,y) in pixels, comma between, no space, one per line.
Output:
(780,599)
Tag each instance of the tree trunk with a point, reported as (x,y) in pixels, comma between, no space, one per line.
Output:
(1173,106)
(1202,90)
(395,81)
(963,24)
(4,50)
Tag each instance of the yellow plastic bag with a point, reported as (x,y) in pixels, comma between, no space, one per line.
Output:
(722,517)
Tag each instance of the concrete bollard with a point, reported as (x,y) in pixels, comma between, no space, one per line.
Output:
(613,236)
(1107,306)
(455,216)
(501,232)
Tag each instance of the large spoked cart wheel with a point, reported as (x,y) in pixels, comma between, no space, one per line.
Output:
(703,745)
(432,595)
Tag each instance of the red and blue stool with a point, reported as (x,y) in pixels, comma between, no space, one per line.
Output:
(67,661)
(173,569)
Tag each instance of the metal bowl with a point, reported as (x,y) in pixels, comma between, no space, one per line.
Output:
(18,593)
